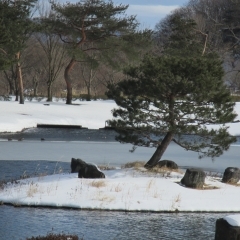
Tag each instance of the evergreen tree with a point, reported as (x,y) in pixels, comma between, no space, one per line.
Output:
(170,96)
(92,25)
(15,26)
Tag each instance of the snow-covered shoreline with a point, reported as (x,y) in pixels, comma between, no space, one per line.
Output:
(123,190)
(90,114)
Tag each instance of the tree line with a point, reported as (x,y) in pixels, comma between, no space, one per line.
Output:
(78,49)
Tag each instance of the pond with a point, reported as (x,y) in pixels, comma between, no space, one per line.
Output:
(33,156)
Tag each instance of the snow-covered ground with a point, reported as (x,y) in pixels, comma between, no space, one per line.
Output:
(93,114)
(123,189)
(15,116)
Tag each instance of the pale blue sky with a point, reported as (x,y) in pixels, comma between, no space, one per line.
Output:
(149,12)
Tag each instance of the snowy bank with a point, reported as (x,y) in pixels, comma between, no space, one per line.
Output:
(90,114)
(123,190)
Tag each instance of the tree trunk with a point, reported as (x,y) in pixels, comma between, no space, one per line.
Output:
(19,78)
(159,151)
(88,93)
(11,90)
(35,89)
(49,98)
(10,82)
(16,95)
(68,80)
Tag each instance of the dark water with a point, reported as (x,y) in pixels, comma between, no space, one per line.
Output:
(62,134)
(65,134)
(20,223)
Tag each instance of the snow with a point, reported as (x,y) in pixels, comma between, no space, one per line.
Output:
(15,116)
(123,189)
(233,220)
(90,114)
(126,189)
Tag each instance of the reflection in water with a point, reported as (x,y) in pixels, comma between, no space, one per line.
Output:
(19,223)
(62,134)
(68,134)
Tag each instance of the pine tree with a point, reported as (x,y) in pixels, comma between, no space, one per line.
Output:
(170,96)
(15,26)
(92,25)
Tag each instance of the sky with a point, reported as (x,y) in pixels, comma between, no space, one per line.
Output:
(148,13)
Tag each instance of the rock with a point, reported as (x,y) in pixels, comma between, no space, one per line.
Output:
(225,231)
(231,175)
(85,170)
(168,164)
(76,164)
(194,178)
(90,171)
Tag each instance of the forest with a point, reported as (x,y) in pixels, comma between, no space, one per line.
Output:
(76,50)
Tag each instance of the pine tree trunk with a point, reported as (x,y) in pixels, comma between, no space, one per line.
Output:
(68,80)
(49,98)
(19,78)
(159,151)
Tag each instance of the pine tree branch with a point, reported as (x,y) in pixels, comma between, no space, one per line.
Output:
(3,51)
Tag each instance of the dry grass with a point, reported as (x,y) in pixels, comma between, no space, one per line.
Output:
(150,184)
(139,165)
(117,188)
(135,165)
(106,167)
(233,184)
(98,183)
(208,187)
(104,198)
(33,189)
(164,170)
(52,236)
(176,202)
(178,198)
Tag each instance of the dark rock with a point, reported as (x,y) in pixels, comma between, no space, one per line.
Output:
(168,164)
(231,175)
(225,231)
(90,171)
(194,178)
(76,164)
(85,170)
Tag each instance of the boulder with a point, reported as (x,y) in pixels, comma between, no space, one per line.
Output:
(76,164)
(194,178)
(168,164)
(231,175)
(225,231)
(90,171)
